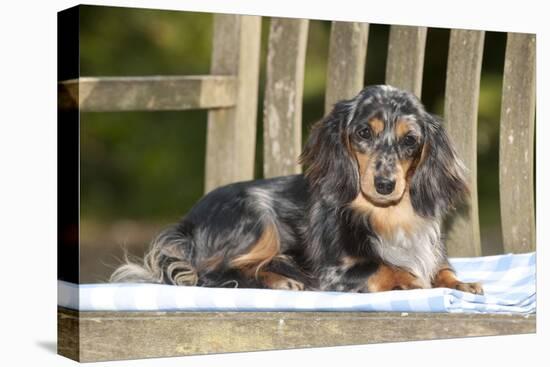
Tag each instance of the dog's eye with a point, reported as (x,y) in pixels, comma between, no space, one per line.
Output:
(365,133)
(409,141)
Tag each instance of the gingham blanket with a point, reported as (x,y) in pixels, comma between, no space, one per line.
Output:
(508,282)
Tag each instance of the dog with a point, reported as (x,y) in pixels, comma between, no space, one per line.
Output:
(381,175)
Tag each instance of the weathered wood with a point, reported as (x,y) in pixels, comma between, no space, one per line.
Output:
(231,132)
(517,130)
(150,93)
(125,335)
(283,96)
(405,62)
(68,333)
(461,109)
(346,61)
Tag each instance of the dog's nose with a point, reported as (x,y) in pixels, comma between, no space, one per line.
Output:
(383,185)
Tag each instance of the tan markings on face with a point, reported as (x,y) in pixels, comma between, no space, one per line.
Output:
(376,125)
(402,127)
(388,213)
(363,161)
(366,165)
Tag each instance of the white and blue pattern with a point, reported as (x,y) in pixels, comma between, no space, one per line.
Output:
(508,282)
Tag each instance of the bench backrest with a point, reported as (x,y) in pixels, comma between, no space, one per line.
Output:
(230,94)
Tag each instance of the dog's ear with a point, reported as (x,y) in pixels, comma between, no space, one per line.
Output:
(438,182)
(331,168)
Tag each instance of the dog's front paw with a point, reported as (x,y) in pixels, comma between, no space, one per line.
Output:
(289,284)
(474,288)
(446,278)
(276,281)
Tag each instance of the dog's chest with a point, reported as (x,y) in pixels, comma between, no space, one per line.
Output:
(418,250)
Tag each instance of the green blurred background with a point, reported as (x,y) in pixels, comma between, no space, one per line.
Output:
(143,170)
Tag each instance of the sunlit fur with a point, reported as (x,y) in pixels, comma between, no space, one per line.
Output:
(336,226)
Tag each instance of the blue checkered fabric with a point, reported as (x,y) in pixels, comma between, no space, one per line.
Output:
(508,282)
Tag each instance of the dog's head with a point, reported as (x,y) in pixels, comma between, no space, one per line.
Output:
(382,145)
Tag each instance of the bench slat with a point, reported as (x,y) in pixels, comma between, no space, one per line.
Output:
(517,130)
(283,96)
(406,58)
(231,132)
(150,93)
(346,61)
(461,110)
(163,334)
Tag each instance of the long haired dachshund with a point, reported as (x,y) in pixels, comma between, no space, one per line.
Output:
(365,217)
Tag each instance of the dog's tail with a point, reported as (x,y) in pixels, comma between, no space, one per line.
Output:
(167,261)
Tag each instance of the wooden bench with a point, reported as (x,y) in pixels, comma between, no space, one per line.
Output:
(230,94)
